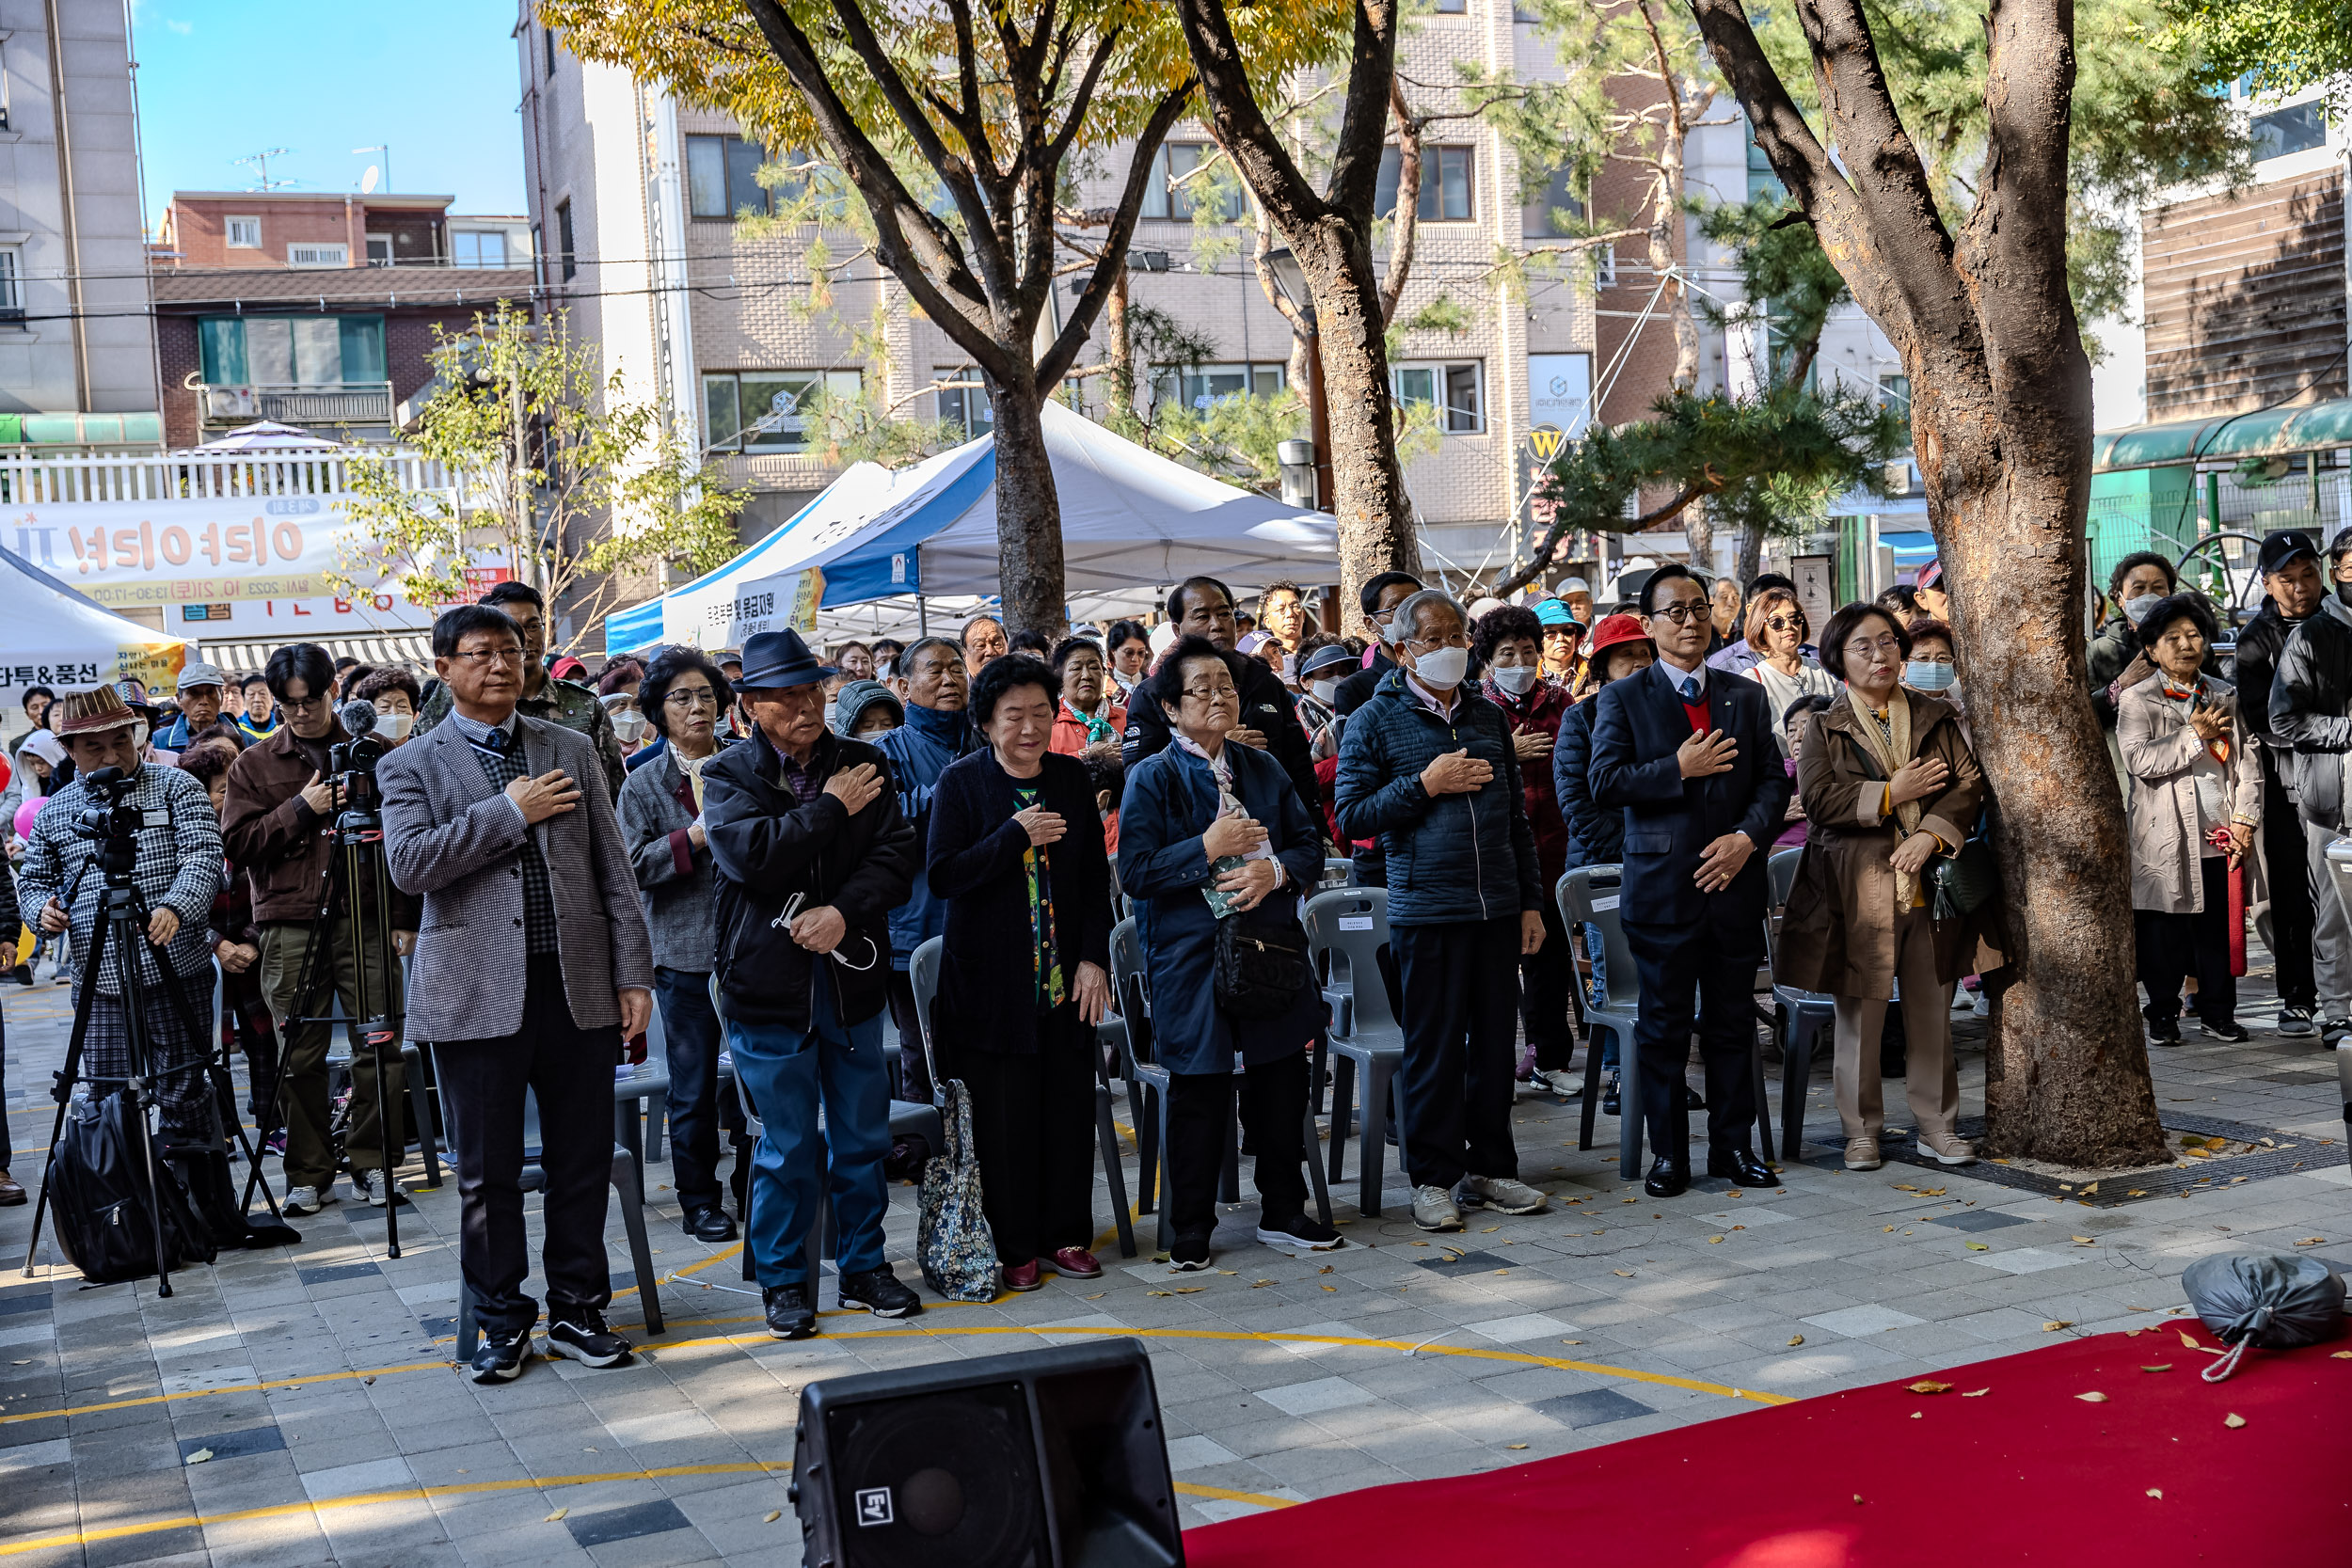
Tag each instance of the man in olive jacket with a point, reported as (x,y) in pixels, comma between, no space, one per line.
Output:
(812,855)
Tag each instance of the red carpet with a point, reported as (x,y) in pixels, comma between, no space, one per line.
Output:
(2025,1473)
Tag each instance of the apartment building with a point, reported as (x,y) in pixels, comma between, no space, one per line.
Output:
(77,354)
(318,310)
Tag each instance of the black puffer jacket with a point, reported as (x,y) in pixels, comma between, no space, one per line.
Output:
(2106,656)
(2307,701)
(1596,836)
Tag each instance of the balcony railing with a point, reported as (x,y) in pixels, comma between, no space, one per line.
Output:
(353,403)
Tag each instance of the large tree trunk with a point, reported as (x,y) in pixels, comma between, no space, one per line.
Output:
(2001,426)
(1749,563)
(1375,515)
(1119,357)
(1029,516)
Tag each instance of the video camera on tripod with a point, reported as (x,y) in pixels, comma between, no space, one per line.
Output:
(114,824)
(351,764)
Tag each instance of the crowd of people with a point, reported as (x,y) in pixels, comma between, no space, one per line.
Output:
(756,845)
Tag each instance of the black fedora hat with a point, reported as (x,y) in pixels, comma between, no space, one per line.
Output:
(780,659)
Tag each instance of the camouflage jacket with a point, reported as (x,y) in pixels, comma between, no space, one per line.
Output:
(565,703)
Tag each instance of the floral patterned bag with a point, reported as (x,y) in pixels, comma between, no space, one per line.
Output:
(952,1239)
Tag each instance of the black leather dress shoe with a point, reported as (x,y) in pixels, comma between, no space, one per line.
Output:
(1608,1099)
(1740,1168)
(709,1224)
(1667,1178)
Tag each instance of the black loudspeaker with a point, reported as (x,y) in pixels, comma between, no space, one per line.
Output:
(1050,1458)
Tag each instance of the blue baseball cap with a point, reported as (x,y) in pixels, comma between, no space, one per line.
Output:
(1555,612)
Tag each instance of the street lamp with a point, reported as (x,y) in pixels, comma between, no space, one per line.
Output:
(1290,279)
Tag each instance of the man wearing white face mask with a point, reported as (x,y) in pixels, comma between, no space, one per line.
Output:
(1429,766)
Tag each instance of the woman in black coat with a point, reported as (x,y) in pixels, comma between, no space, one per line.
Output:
(1016,852)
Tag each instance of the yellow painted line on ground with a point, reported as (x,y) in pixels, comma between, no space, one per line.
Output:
(431,1494)
(1524,1358)
(735,1251)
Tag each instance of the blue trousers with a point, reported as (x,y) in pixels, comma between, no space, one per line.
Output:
(787,1071)
(691,1028)
(1598,950)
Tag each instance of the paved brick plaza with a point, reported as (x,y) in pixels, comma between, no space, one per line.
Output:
(319,1378)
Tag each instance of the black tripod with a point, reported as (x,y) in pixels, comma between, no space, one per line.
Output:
(123,925)
(354,873)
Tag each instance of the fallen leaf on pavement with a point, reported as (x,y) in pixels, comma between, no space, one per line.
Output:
(1488,1230)
(2092,1397)
(2190,1342)
(1712,1240)
(2082,1241)
(2340,1355)
(2156,1492)
(2134,1191)
(1158,1292)
(199,1456)
(1571,1341)
(557,1514)
(1325,1269)
(1978,1246)
(1890,1231)
(1622,1273)
(1796,1339)
(1975,1393)
(2233,1420)
(2056,1324)
(773,1515)
(2312,1241)
(1260,1284)
(1098,1296)
(1929,1386)
(2159,1366)
(1918,1415)
(1333,1289)
(1514,1445)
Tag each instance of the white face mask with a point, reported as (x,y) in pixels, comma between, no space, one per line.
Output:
(395,726)
(1391,633)
(1327,692)
(629,726)
(1516,680)
(2136,609)
(1442,669)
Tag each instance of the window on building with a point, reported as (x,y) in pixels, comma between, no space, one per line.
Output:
(478,247)
(1199,385)
(1452,8)
(4,85)
(11,285)
(734,402)
(1181,194)
(379,250)
(245,233)
(1895,393)
(291,351)
(547,34)
(963,401)
(565,254)
(338,255)
(1445,184)
(1454,388)
(2294,128)
(722,178)
(1557,211)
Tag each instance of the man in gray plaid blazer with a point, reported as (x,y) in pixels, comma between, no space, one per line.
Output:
(533,965)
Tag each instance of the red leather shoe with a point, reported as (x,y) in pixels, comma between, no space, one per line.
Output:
(1023,1276)
(1076,1263)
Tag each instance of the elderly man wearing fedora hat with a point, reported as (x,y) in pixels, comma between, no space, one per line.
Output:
(812,854)
(178,871)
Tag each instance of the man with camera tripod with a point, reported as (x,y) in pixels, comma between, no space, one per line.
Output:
(278,823)
(177,872)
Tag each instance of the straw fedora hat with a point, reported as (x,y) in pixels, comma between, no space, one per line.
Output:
(101,708)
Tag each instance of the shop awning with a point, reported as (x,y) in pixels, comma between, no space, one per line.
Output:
(2264,433)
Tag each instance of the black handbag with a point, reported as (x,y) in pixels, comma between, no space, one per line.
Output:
(1965,880)
(1260,969)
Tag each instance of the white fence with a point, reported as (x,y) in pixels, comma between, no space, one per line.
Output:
(202,476)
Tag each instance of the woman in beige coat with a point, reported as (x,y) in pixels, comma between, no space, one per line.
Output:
(2197,798)
(1888,783)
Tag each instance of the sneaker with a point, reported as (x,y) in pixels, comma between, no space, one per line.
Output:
(2335,1031)
(500,1360)
(789,1314)
(2227,1029)
(1963,1002)
(275,1144)
(2164,1031)
(1560,1081)
(1502,1194)
(1076,1263)
(1947,1149)
(1190,1251)
(1434,1210)
(1981,1007)
(1862,1154)
(304,1201)
(2296,1022)
(1298,1234)
(881,1292)
(1609,1098)
(363,1187)
(580,1333)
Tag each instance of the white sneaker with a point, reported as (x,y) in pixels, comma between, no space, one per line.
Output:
(1434,1210)
(300,1201)
(1561,1082)
(1502,1194)
(1982,1005)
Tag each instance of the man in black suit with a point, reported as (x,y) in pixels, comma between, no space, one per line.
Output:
(1686,753)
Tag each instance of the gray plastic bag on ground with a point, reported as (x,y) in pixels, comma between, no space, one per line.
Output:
(2272,1301)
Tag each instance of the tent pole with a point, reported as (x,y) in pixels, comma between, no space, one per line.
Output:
(922,605)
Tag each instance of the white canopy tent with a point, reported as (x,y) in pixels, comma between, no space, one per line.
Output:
(55,637)
(1132,522)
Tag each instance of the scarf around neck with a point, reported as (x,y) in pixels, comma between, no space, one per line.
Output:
(1891,747)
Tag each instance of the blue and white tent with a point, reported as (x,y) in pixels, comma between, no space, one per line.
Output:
(1130,518)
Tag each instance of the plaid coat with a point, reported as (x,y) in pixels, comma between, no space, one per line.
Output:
(179,866)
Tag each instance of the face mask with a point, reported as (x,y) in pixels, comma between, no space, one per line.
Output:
(1921,675)
(1327,692)
(629,726)
(2136,609)
(395,726)
(1391,633)
(138,737)
(1442,669)
(2344,592)
(1516,681)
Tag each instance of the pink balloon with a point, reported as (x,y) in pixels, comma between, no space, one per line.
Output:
(26,811)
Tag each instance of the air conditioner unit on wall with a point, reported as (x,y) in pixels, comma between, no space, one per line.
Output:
(231,402)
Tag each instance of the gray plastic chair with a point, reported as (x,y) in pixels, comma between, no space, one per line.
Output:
(642,1097)
(629,1181)
(1351,926)
(1588,895)
(1799,1016)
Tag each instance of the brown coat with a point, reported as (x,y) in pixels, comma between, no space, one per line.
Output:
(274,836)
(1839,933)
(2159,748)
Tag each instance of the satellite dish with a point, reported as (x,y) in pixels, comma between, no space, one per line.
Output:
(367,180)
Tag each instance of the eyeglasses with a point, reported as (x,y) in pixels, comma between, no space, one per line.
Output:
(481,659)
(697,697)
(1681,611)
(1459,639)
(1211,694)
(304,705)
(1864,648)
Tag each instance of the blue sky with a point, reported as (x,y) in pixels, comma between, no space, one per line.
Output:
(436,79)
